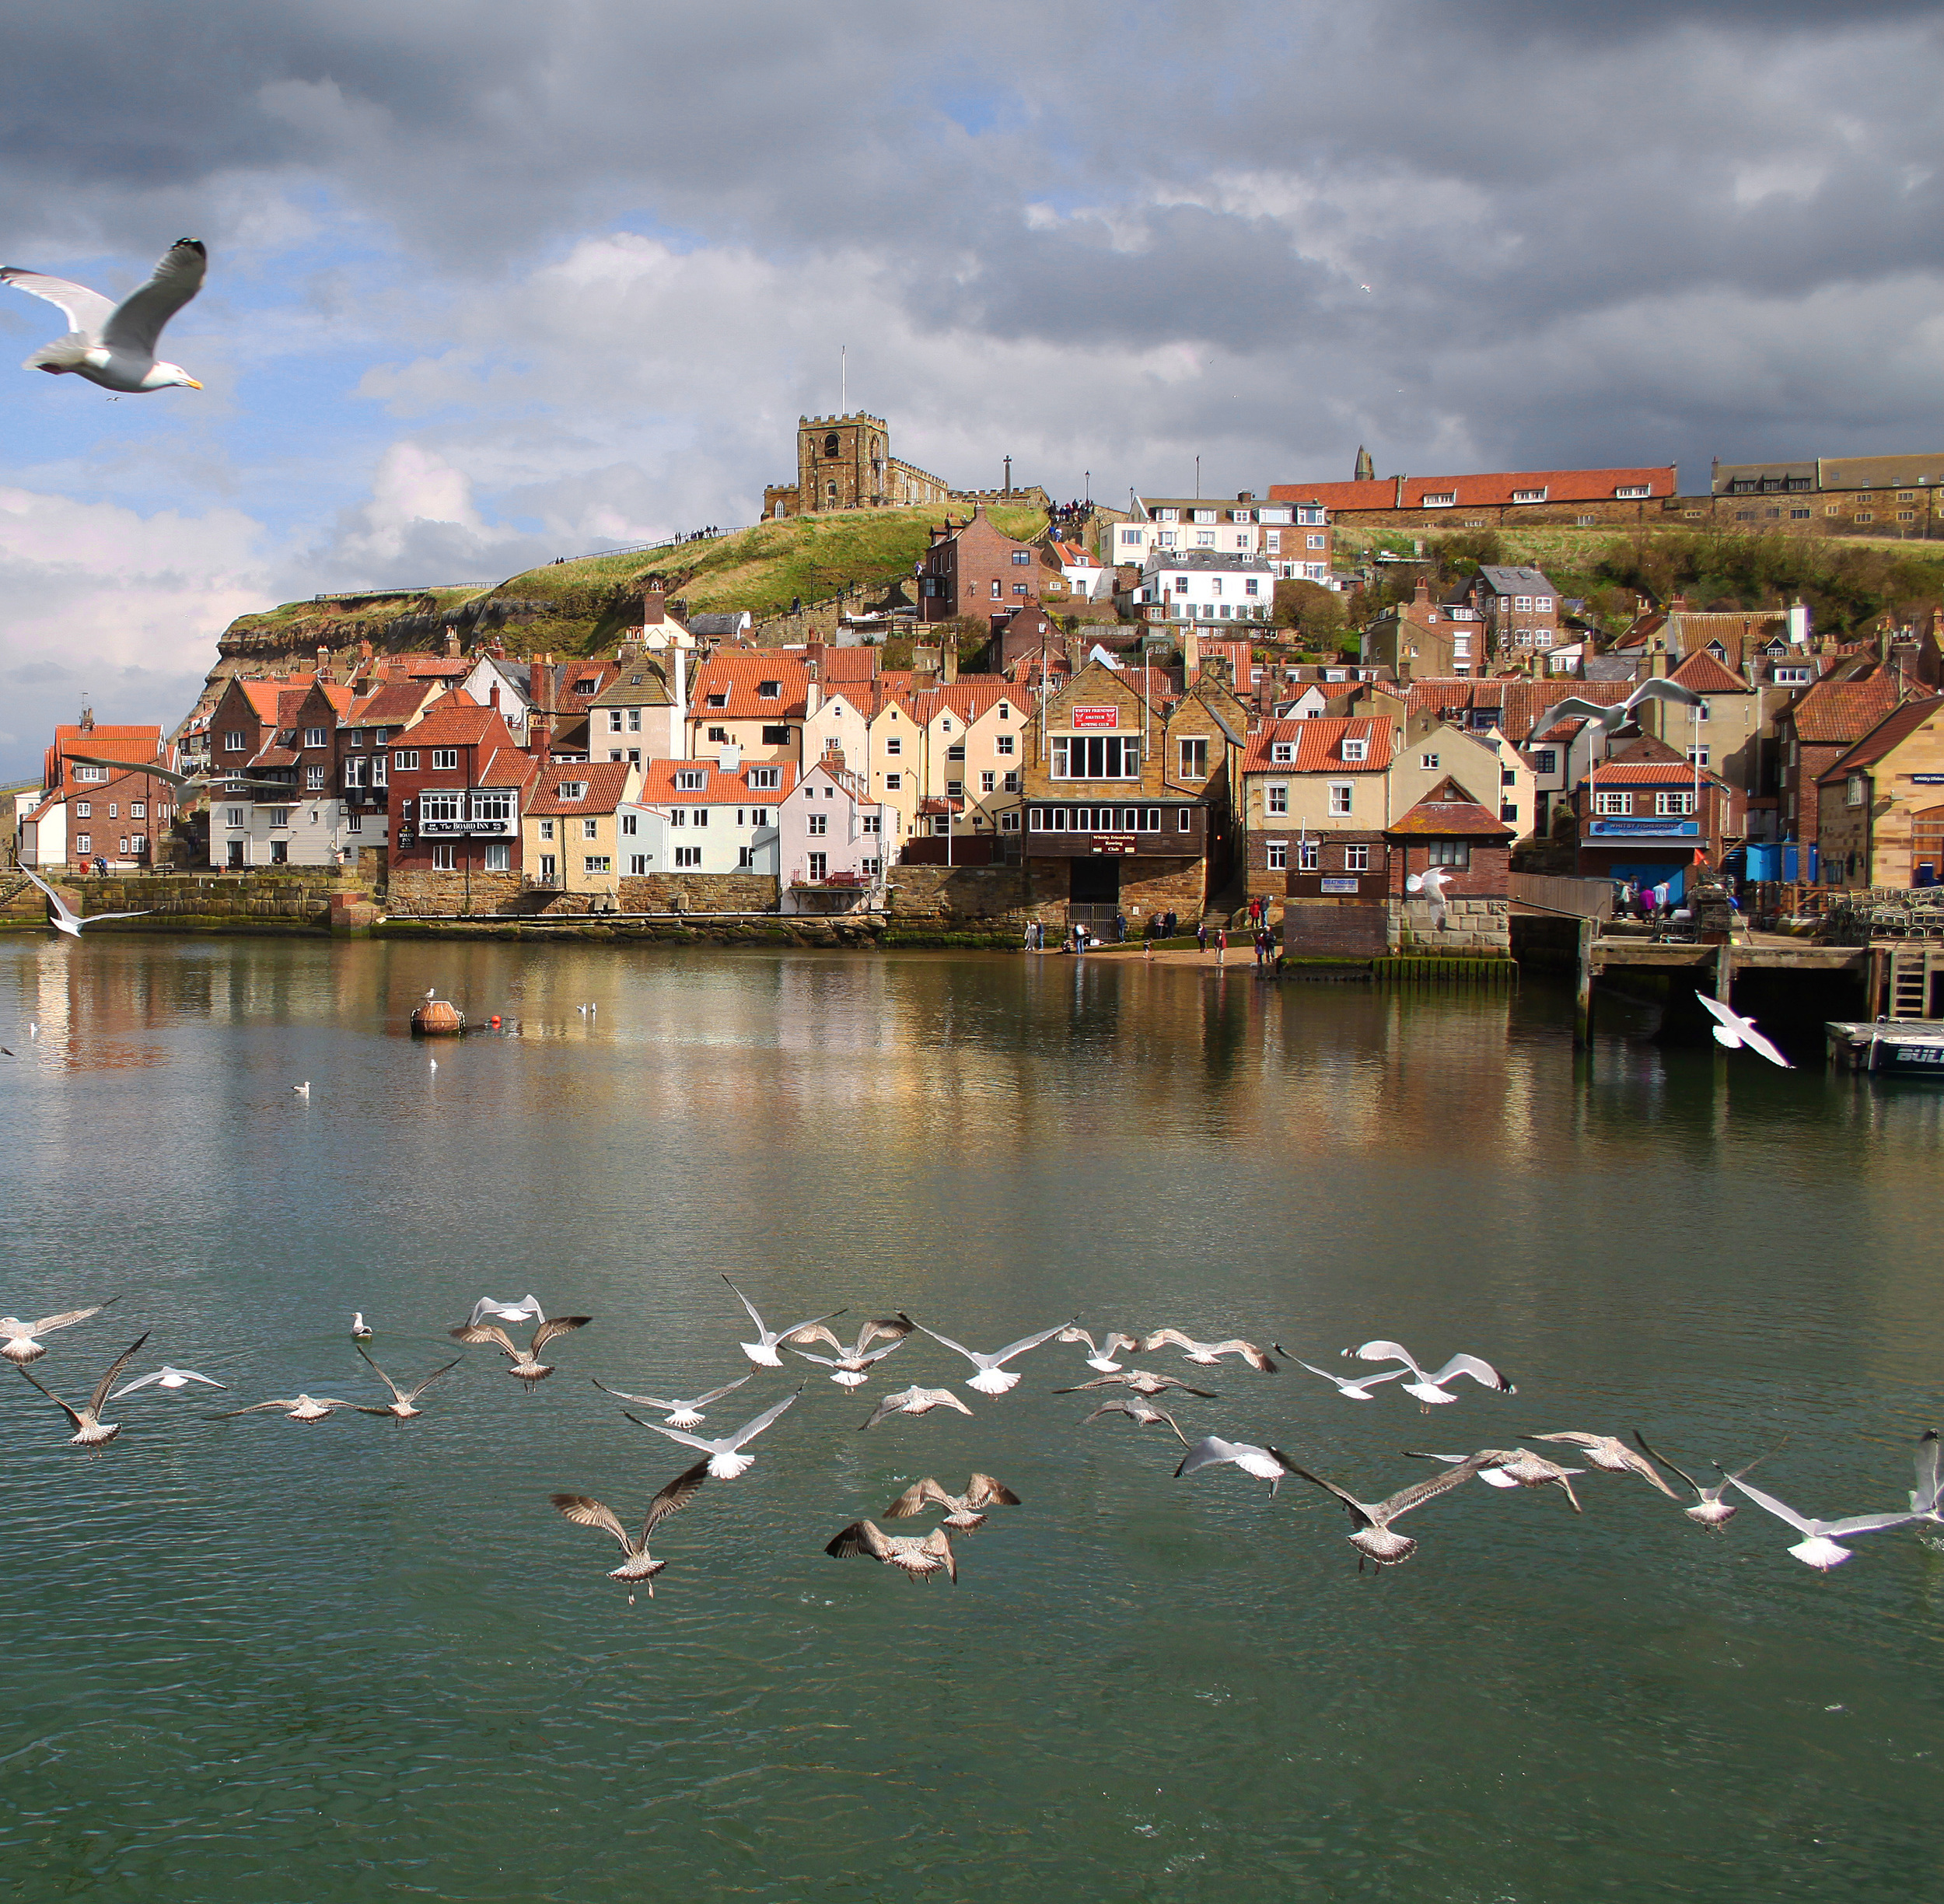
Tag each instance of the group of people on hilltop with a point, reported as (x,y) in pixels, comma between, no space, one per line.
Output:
(1073,515)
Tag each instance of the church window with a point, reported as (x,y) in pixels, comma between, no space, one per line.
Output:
(830,444)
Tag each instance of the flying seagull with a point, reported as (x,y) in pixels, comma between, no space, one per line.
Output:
(962,1512)
(299,1407)
(403,1404)
(1100,1354)
(682,1413)
(762,1351)
(1213,1352)
(637,1568)
(1211,1451)
(1709,1510)
(1372,1535)
(852,1367)
(1139,1410)
(914,1401)
(918,1559)
(1818,1547)
(994,1378)
(19,1345)
(1507,1468)
(168,1375)
(1430,1389)
(1925,1496)
(1611,720)
(181,782)
(1611,1454)
(1354,1387)
(90,1431)
(526,1310)
(1736,1033)
(1430,885)
(114,344)
(726,1459)
(63,917)
(527,1365)
(1141,1382)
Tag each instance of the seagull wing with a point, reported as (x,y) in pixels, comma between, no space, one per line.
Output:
(814,1322)
(944,1397)
(676,1496)
(1925,1500)
(891,1405)
(1863,1524)
(646,1401)
(1665,1462)
(255,1408)
(1165,1338)
(1209,1452)
(142,767)
(878,1355)
(485,1332)
(983,1491)
(913,1500)
(1383,1350)
(1575,707)
(860,1537)
(114,1373)
(821,1361)
(715,1394)
(814,1332)
(142,1382)
(96,919)
(1099,1382)
(62,909)
(895,1328)
(1329,1487)
(397,1394)
(750,1429)
(413,1394)
(676,1434)
(73,1414)
(1781,1510)
(1733,1019)
(584,1511)
(1479,1369)
(1660,688)
(760,1329)
(971,1355)
(1758,1041)
(66,1319)
(1429,1488)
(1072,1333)
(1263,1364)
(1114,1405)
(136,322)
(87,312)
(557,1325)
(1024,1343)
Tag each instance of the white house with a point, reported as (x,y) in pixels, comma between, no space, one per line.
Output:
(1201,587)
(705,815)
(1295,537)
(832,837)
(1084,573)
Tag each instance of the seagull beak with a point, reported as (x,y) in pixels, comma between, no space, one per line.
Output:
(192,384)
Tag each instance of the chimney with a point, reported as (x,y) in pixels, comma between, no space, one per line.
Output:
(1399,502)
(87,720)
(1421,595)
(948,658)
(324,663)
(452,644)
(536,681)
(813,659)
(678,703)
(1190,654)
(364,651)
(492,697)
(1798,622)
(653,607)
(833,755)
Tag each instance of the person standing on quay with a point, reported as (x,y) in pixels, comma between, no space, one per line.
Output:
(1201,938)
(1222,944)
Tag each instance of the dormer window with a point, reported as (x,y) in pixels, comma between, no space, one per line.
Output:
(1529,495)
(1355,749)
(1446,498)
(587,686)
(1632,492)
(719,700)
(571,790)
(769,691)
(691,780)
(1283,752)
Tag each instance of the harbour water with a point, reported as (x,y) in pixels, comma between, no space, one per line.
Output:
(251,1661)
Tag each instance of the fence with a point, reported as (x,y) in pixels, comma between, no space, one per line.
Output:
(1552,892)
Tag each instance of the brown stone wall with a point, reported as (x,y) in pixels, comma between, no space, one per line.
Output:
(1147,887)
(960,894)
(420,889)
(1323,929)
(699,892)
(1472,928)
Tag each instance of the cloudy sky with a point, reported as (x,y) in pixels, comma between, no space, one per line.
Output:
(492,282)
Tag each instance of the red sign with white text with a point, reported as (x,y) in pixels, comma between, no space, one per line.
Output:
(1097,717)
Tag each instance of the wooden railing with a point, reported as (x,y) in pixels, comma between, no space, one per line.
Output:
(1552,892)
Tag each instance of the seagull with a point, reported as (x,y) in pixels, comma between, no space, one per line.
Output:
(1611,720)
(681,1414)
(725,1458)
(1211,1451)
(302,1089)
(64,917)
(915,1401)
(299,1407)
(360,1328)
(527,1365)
(20,1346)
(852,1365)
(762,1351)
(1430,1389)
(1213,1352)
(1372,1536)
(114,344)
(90,1431)
(1139,1410)
(1818,1547)
(638,1569)
(431,992)
(168,1375)
(1430,885)
(1142,1383)
(994,1378)
(526,1310)
(181,783)
(1100,1354)
(1612,1454)
(1505,1468)
(403,1403)
(1924,1497)
(1709,1510)
(1353,1388)
(918,1558)
(962,1511)
(1736,1033)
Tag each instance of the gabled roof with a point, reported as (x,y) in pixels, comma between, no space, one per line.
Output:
(1892,731)
(1318,745)
(1585,485)
(718,788)
(1449,812)
(507,766)
(737,677)
(1648,773)
(1517,705)
(456,720)
(1701,672)
(393,704)
(1506,581)
(602,785)
(636,684)
(1839,713)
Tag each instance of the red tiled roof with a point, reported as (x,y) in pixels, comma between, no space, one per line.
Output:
(736,678)
(1520,703)
(507,768)
(1701,672)
(456,720)
(1318,745)
(603,784)
(1648,773)
(1442,815)
(841,666)
(1895,727)
(1840,713)
(658,788)
(1484,490)
(393,704)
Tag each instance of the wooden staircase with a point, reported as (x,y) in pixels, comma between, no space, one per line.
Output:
(1911,968)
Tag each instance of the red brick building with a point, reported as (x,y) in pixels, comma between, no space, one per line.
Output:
(1449,831)
(456,785)
(975,571)
(1814,732)
(1649,815)
(1508,497)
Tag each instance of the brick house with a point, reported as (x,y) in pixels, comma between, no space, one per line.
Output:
(456,782)
(1518,607)
(125,818)
(1813,733)
(1581,497)
(1650,815)
(755,701)
(1422,639)
(974,571)
(1453,832)
(1315,802)
(1881,804)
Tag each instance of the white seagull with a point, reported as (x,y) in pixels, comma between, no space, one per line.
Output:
(637,1568)
(114,344)
(1924,1497)
(1430,885)
(90,1431)
(762,1351)
(1709,1510)
(181,782)
(360,1328)
(168,1375)
(851,1367)
(681,1412)
(19,1344)
(1211,1451)
(1818,1547)
(64,917)
(526,1310)
(1100,1354)
(994,1378)
(914,1401)
(725,1458)
(1430,1389)
(302,1089)
(1354,1387)
(1372,1534)
(1209,1353)
(1736,1033)
(1611,720)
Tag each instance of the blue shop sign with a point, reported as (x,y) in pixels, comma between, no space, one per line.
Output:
(1640,829)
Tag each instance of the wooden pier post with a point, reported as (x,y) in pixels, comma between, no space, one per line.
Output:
(1583,997)
(1725,973)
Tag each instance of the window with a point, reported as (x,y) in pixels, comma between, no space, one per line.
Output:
(685,856)
(137,810)
(597,863)
(699,816)
(745,858)
(379,762)
(1508,812)
(893,783)
(1856,791)
(819,865)
(955,752)
(1697,756)
(84,809)
(1306,856)
(1194,759)
(1096,757)
(353,823)
(769,691)
(407,760)
(315,737)
(547,829)
(84,842)
(1002,745)
(1354,749)
(1010,783)
(995,589)
(763,778)
(719,700)
(870,823)
(940,825)
(549,868)
(1455,853)
(91,773)
(691,779)
(445,760)
(1612,803)
(314,779)
(1021,558)
(1204,538)
(1009,821)
(1632,492)
(638,863)
(893,745)
(613,720)
(818,823)
(1865,516)
(442,857)
(235,817)
(590,829)
(1276,797)
(988,783)
(1508,776)
(232,740)
(1428,762)
(1445,499)
(1678,803)
(1546,761)
(955,788)
(1018,588)
(1906,515)
(499,856)
(280,852)
(759,816)
(432,808)
(719,735)
(1277,857)
(1340,793)
(776,736)
(279,815)
(1283,752)
(1529,495)
(1184,819)
(1356,859)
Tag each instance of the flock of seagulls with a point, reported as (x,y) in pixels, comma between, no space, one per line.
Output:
(1823,1541)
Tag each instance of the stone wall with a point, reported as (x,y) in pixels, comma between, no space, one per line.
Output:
(1147,886)
(420,891)
(1474,928)
(699,892)
(957,896)
(302,897)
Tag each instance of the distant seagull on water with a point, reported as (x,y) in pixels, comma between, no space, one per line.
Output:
(90,1431)
(302,1089)
(360,1328)
(64,918)
(1736,1033)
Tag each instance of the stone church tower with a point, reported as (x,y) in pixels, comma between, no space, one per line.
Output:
(845,462)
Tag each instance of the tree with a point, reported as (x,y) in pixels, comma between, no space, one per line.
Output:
(1316,611)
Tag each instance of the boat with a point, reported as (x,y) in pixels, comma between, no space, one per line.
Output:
(1902,1048)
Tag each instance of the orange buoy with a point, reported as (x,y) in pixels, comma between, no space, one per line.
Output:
(436,1018)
